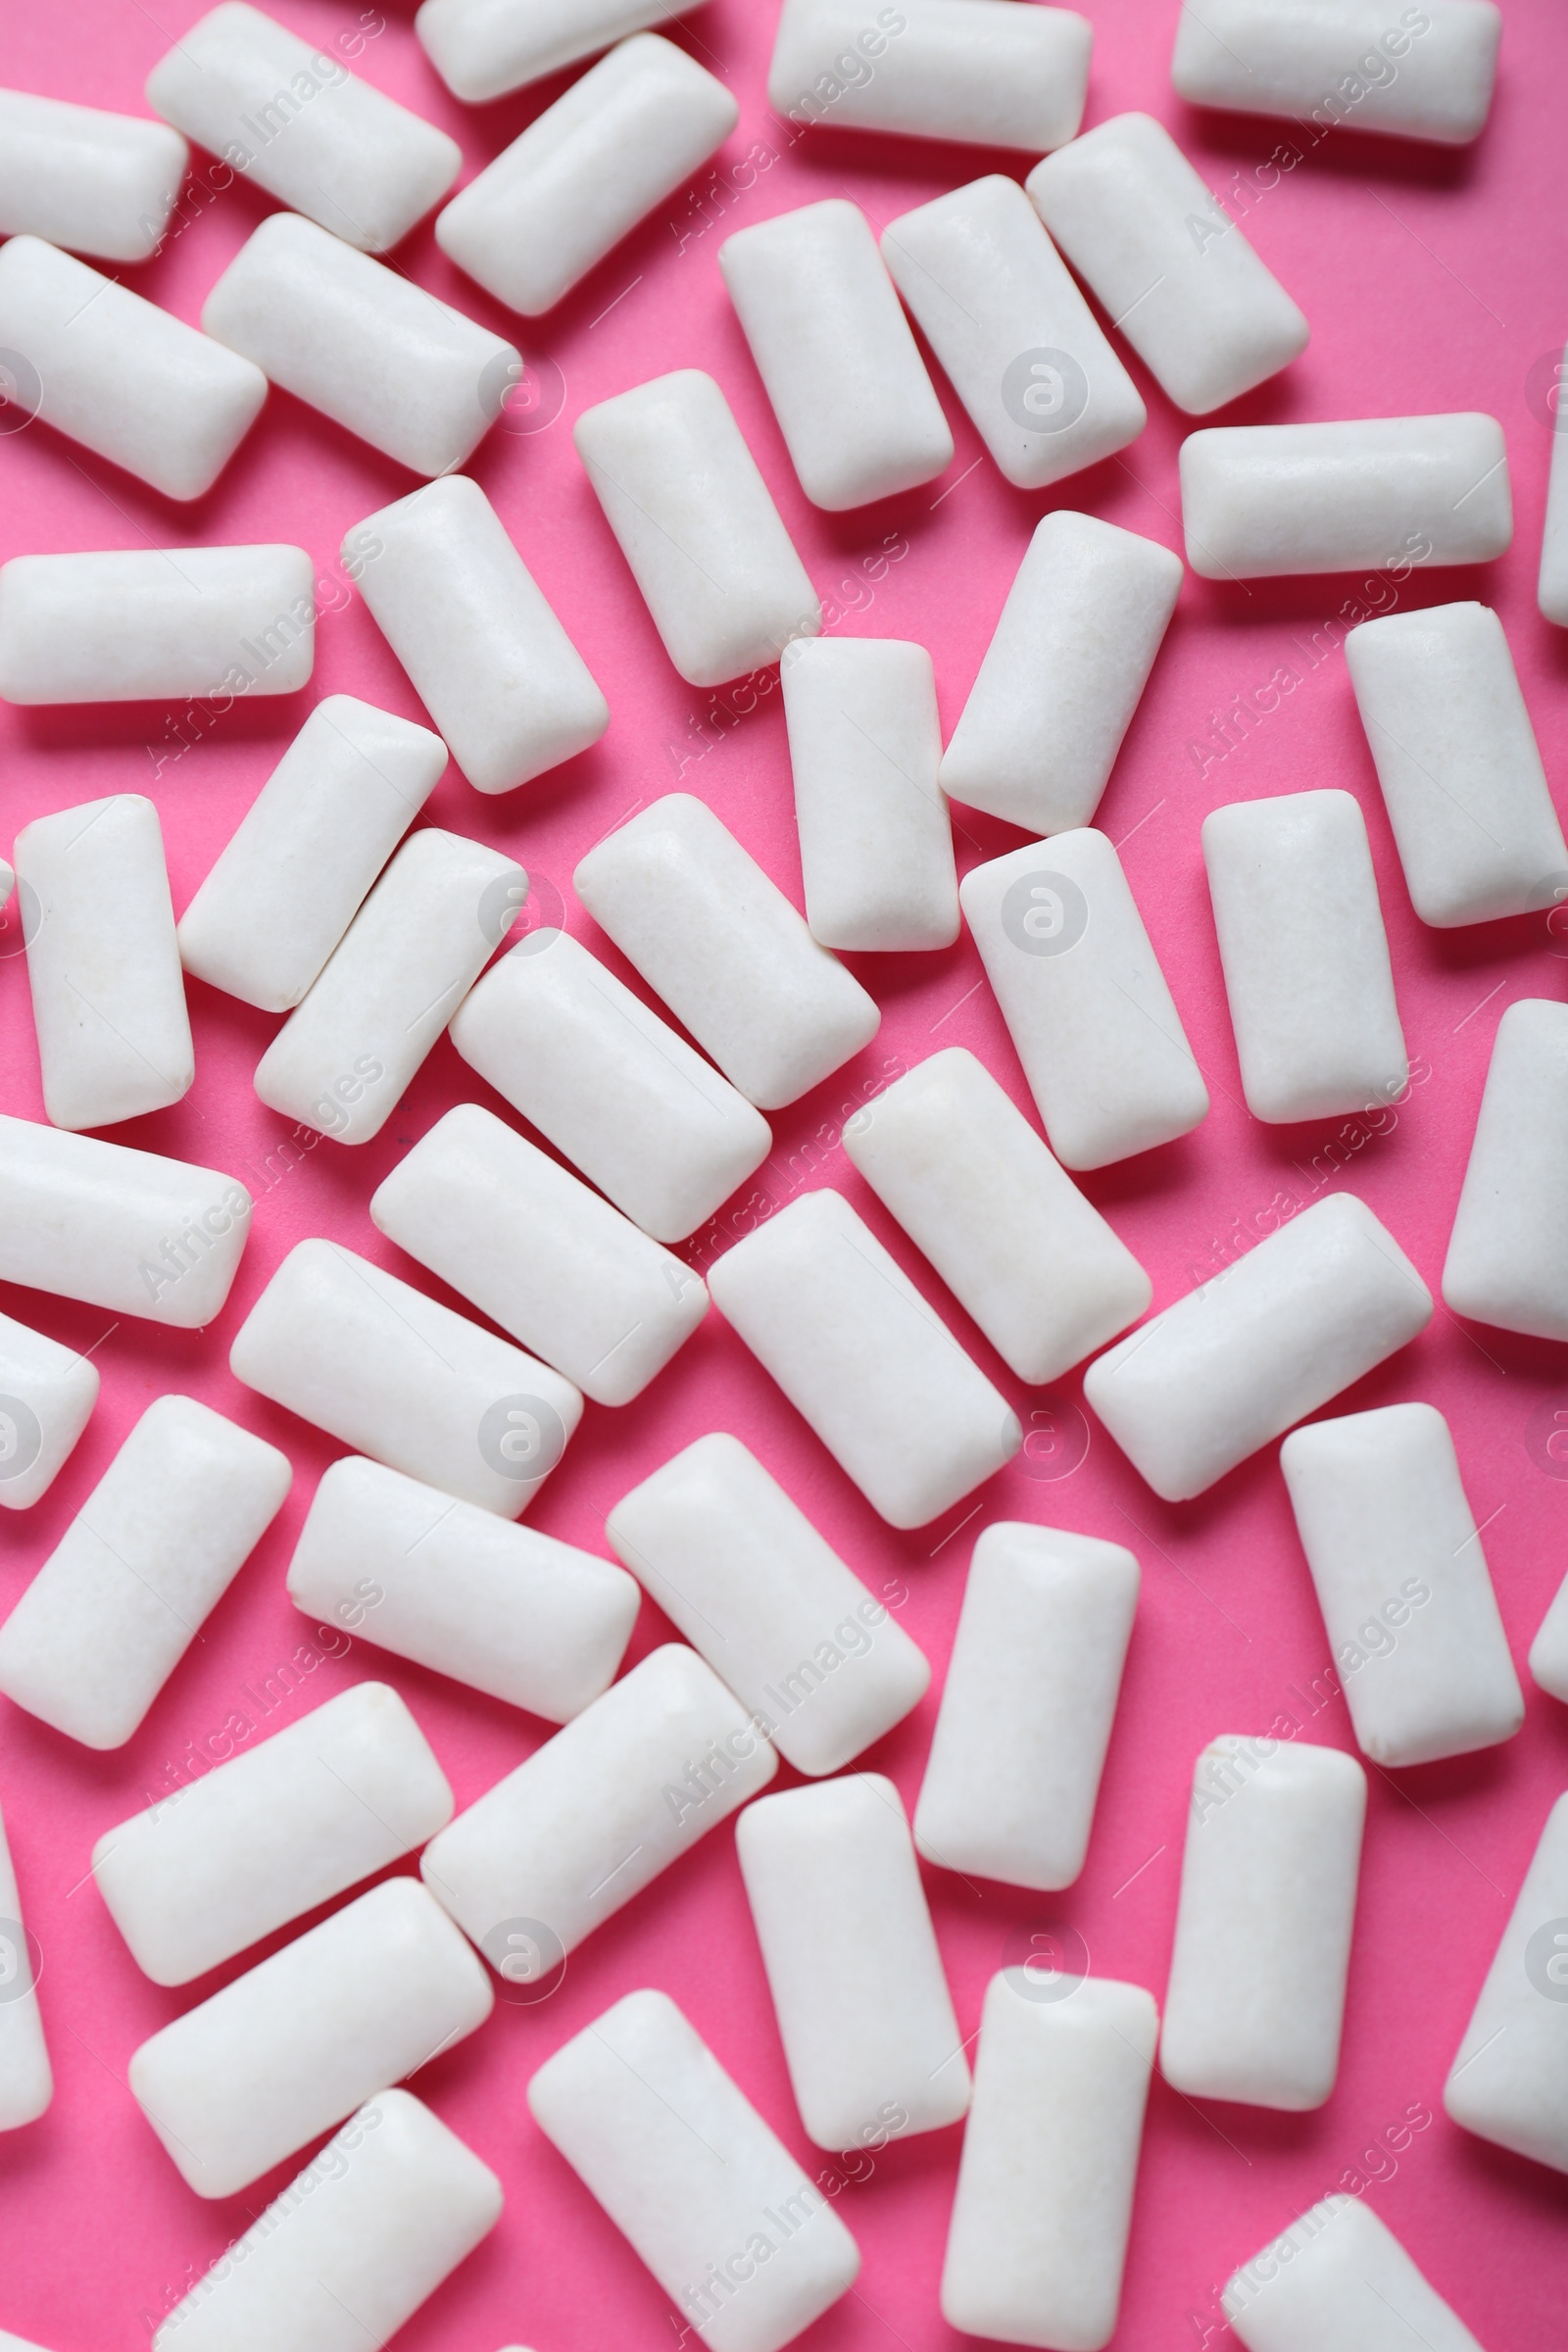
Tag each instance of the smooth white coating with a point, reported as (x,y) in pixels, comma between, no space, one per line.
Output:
(863,2010)
(737,1568)
(298,124)
(26,2080)
(352,2247)
(96,182)
(1507,1261)
(1306,956)
(117,374)
(1255,2002)
(47,1394)
(978,70)
(1338,2275)
(295,873)
(1510,2079)
(999,307)
(1388,493)
(904,1411)
(951,1155)
(1085,1001)
(1551,586)
(1280,1331)
(856,408)
(722,944)
(1548,1652)
(1075,642)
(518,1236)
(1423,72)
(1166,262)
(617,142)
(503,683)
(400,1377)
(1020,1740)
(630,1785)
(346,1056)
(483,48)
(108,993)
(1456,756)
(1036,2245)
(361,343)
(866,743)
(151,1553)
(503,1608)
(609,1084)
(297,2043)
(160,625)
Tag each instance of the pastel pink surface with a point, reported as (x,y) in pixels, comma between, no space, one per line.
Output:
(1433,280)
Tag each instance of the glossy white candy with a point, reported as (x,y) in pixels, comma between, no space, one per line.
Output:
(1306,956)
(1026,1712)
(904,1413)
(1076,640)
(108,993)
(157,625)
(1265,501)
(1084,999)
(352,2247)
(361,343)
(697,524)
(1551,586)
(833,348)
(1548,1652)
(1509,2081)
(1256,1996)
(400,1377)
(483,48)
(304,2038)
(1338,2275)
(1508,1260)
(605,1080)
(629,1785)
(559,1270)
(585,171)
(1456,757)
(866,743)
(999,307)
(298,124)
(151,1551)
(978,70)
(1418,74)
(1036,2246)
(346,1056)
(294,875)
(47,1394)
(26,2080)
(503,1608)
(490,661)
(717,939)
(739,1569)
(97,182)
(1166,262)
(950,1157)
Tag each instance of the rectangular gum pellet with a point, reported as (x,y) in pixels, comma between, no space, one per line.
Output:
(1456,756)
(1264,501)
(698,526)
(1306,956)
(503,683)
(616,1090)
(95,182)
(151,1553)
(348,1053)
(485,48)
(1426,74)
(1031,1688)
(361,344)
(1166,262)
(1509,2077)
(302,2039)
(1035,2247)
(387,2210)
(1552,584)
(858,413)
(27,2078)
(974,71)
(1273,1336)
(1077,637)
(398,1376)
(1085,1001)
(1402,1580)
(739,1569)
(47,1394)
(157,625)
(500,1607)
(1508,1260)
(705,925)
(219,1863)
(954,1159)
(999,307)
(689,2173)
(904,1411)
(1338,2275)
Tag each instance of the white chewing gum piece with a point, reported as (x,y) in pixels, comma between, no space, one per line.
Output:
(47,1394)
(27,2080)
(485,48)
(1507,1261)
(974,71)
(1436,65)
(1551,586)
(157,625)
(91,181)
(1338,2275)
(1510,2079)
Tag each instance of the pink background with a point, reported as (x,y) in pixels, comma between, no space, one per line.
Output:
(1434,281)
